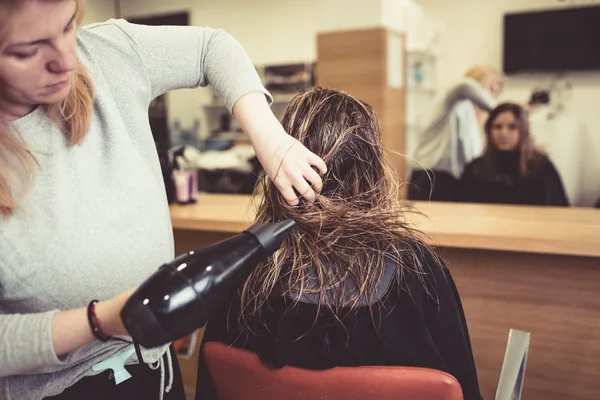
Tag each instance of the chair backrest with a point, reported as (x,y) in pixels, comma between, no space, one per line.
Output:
(240,374)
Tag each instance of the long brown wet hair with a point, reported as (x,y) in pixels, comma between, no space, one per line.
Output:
(72,116)
(355,223)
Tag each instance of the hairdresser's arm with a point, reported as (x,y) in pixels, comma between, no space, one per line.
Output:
(71,329)
(178,57)
(471,90)
(32,341)
(286,161)
(188,57)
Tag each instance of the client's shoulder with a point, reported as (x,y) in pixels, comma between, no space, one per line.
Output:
(416,265)
(417,253)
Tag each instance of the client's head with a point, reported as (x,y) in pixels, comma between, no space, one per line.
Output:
(507,131)
(344,132)
(507,128)
(354,223)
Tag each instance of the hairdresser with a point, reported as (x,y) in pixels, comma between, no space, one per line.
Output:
(82,200)
(453,135)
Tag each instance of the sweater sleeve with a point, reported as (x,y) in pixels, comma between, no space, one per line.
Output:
(179,57)
(469,89)
(26,343)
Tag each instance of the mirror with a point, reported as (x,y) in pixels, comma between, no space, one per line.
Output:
(501,104)
(541,56)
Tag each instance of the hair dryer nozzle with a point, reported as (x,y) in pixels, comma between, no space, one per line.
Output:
(270,236)
(187,291)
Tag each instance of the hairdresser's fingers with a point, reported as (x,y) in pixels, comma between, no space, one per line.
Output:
(314,179)
(288,194)
(317,162)
(303,187)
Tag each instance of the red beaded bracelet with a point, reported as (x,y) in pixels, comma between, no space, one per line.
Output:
(95,322)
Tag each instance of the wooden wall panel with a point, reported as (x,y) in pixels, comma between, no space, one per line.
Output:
(352,56)
(356,62)
(393,130)
(553,297)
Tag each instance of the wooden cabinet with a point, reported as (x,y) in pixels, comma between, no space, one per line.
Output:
(369,64)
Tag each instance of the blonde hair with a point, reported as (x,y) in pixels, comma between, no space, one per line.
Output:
(72,116)
(483,73)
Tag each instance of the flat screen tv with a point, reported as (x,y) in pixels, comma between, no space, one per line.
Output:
(561,40)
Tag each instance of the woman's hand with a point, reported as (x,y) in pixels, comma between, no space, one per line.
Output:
(109,314)
(289,165)
(287,162)
(71,329)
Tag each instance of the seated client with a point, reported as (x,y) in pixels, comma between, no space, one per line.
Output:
(512,170)
(353,284)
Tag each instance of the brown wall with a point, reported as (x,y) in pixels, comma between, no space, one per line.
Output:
(553,297)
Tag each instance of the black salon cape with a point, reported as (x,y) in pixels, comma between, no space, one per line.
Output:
(500,182)
(416,329)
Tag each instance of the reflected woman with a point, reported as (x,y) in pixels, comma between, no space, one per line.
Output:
(512,170)
(453,135)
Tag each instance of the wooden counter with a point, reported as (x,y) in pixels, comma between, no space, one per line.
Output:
(565,231)
(529,268)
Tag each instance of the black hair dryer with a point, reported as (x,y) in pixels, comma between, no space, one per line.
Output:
(184,293)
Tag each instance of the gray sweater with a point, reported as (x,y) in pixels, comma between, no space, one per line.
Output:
(96,220)
(451,138)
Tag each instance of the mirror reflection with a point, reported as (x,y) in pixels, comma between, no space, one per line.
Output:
(500,96)
(521,130)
